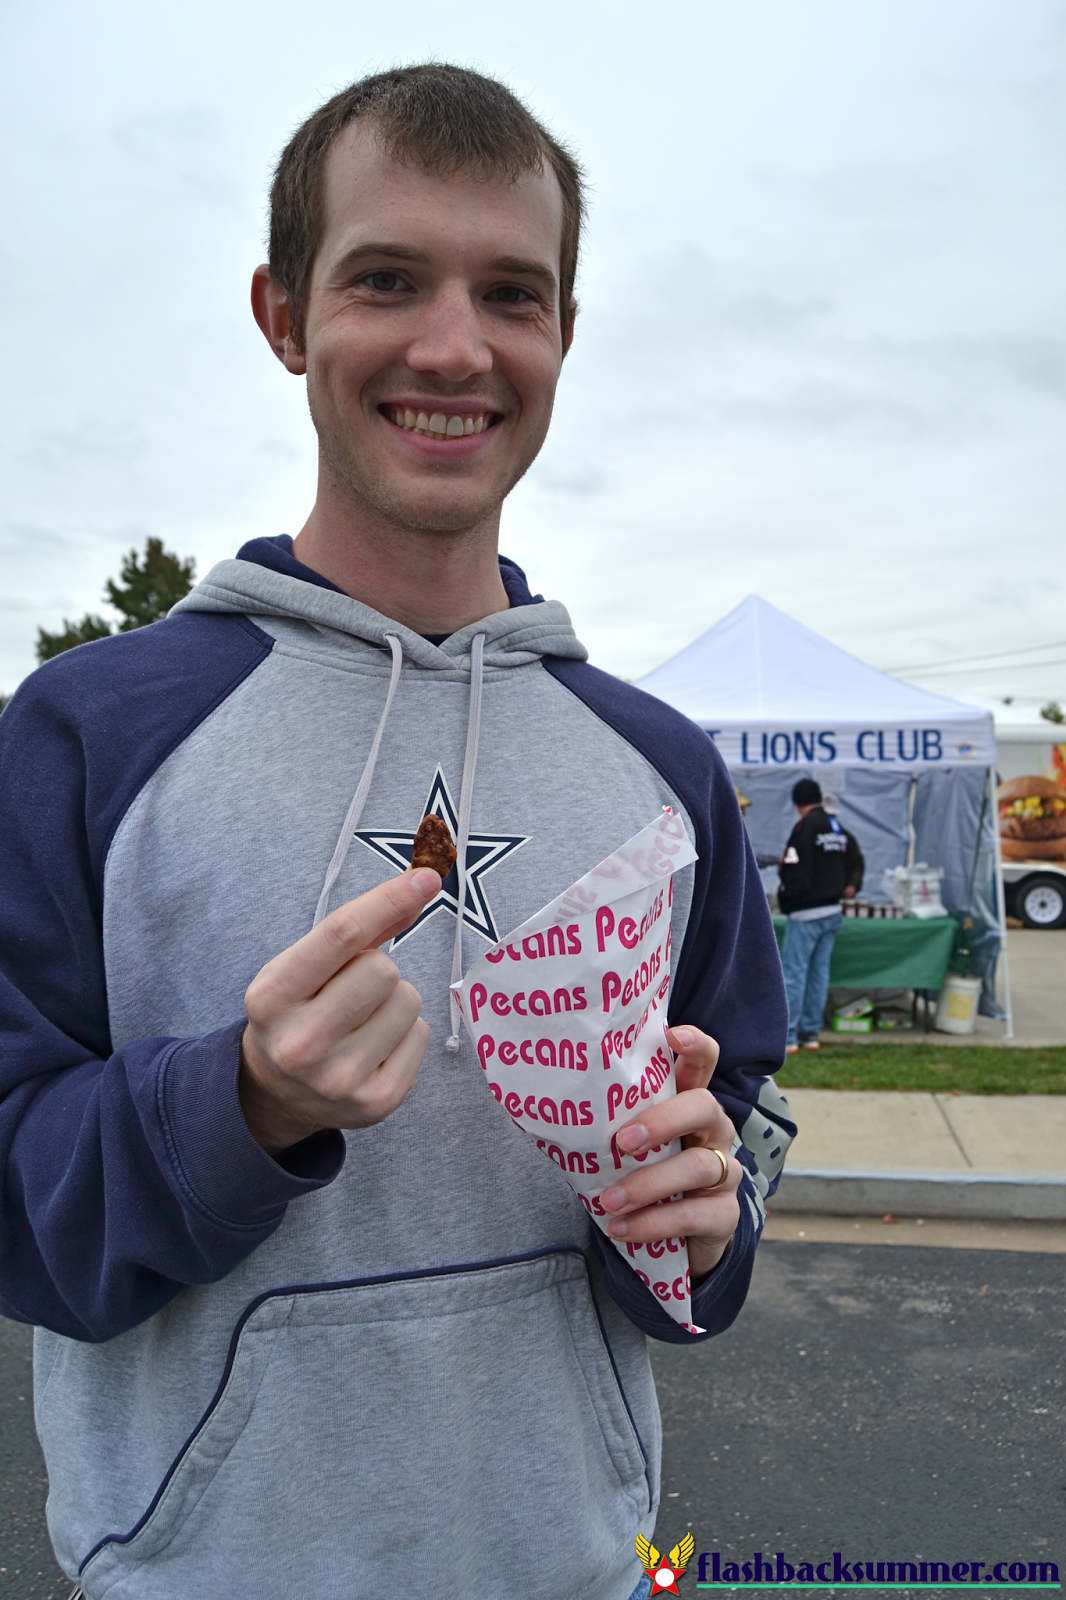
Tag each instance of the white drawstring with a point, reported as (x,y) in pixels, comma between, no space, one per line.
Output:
(466,800)
(355,810)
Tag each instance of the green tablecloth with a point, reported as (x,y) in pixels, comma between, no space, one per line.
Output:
(875,953)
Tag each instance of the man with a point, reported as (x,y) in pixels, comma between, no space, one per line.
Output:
(821,866)
(315,1317)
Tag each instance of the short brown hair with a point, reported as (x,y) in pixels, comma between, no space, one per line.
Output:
(444,118)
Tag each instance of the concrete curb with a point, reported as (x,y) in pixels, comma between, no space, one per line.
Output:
(988,1196)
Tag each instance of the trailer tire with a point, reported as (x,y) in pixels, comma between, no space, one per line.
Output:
(1041,901)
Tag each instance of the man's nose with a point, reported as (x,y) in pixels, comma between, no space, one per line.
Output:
(450,339)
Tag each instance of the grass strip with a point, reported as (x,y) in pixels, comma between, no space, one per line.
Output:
(930,1068)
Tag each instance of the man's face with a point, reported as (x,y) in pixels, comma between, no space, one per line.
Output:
(433,341)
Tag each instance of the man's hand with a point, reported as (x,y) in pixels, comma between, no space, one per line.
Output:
(850,892)
(334,1036)
(708,1213)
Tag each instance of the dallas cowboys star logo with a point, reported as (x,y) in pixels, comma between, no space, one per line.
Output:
(484,851)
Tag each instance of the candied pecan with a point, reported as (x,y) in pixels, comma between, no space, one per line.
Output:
(433,846)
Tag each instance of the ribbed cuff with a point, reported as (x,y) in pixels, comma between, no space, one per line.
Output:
(215,1160)
(717,1298)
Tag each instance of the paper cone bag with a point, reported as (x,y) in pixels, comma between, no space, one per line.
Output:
(568,1015)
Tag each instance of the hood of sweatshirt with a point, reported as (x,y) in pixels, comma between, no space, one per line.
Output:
(266,581)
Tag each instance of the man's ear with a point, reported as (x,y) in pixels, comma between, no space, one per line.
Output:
(270,307)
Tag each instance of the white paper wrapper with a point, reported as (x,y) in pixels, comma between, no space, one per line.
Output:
(568,1015)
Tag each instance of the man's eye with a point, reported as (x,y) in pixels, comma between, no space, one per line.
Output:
(384,282)
(511,294)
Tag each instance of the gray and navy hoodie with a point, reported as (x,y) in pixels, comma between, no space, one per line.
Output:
(389,1360)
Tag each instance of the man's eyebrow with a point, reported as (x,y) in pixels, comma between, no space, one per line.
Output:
(523,268)
(391,251)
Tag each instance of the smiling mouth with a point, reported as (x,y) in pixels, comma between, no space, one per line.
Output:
(435,425)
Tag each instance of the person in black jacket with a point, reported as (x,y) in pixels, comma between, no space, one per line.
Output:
(821,866)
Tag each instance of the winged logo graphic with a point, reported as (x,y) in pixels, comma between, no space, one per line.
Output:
(664,1571)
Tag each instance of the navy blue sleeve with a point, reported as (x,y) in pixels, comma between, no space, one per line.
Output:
(125,1174)
(727,976)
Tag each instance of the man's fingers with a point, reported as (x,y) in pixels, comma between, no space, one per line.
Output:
(394,1078)
(696,1170)
(695,1217)
(704,1208)
(351,996)
(328,1099)
(697,1055)
(334,1037)
(405,922)
(692,1112)
(353,1061)
(368,921)
(300,972)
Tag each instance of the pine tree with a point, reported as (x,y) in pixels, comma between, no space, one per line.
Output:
(147,592)
(74,633)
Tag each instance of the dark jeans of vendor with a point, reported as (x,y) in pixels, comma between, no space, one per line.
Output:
(806,955)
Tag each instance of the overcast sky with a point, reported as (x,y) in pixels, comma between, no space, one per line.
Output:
(822,346)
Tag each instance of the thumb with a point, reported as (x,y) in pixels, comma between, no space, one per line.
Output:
(425,884)
(697,1056)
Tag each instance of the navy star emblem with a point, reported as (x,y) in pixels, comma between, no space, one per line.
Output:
(484,851)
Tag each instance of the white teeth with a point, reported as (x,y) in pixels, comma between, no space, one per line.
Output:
(438,425)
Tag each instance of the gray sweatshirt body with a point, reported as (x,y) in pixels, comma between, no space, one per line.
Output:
(421,1381)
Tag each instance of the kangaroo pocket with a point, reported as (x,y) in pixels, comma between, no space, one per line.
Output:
(447,1435)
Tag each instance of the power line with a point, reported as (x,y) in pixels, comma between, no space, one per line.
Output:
(993,655)
(1008,666)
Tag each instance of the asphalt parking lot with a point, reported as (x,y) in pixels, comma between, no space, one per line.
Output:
(27,1567)
(891,1403)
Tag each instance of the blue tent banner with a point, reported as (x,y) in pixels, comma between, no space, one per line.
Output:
(884,747)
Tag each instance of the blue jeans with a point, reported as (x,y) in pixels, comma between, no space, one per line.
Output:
(805,958)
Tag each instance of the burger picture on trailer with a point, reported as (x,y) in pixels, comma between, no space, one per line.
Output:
(1032,819)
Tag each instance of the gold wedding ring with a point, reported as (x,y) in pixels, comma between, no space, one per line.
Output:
(725,1169)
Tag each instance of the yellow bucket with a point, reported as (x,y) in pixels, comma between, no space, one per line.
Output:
(956,1010)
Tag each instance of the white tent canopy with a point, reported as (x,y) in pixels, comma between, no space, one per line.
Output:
(771,693)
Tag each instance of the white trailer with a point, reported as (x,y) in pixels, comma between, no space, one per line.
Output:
(1035,890)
